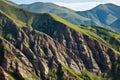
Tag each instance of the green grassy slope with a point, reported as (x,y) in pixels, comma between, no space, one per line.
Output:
(18,15)
(12,11)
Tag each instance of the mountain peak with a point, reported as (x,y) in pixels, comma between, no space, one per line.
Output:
(107,6)
(103,15)
(110,4)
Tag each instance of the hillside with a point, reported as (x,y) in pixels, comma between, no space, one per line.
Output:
(63,12)
(44,46)
(116,25)
(104,15)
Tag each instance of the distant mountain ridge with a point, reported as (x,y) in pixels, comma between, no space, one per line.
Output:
(104,15)
(63,12)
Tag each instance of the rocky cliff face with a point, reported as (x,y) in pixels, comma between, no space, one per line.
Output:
(54,53)
(14,63)
(94,55)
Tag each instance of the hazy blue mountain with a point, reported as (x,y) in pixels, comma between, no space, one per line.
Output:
(116,25)
(63,12)
(106,15)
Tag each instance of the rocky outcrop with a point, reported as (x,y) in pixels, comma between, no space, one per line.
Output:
(92,53)
(15,62)
(41,49)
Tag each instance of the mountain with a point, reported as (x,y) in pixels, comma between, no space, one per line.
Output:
(116,25)
(104,15)
(44,46)
(58,10)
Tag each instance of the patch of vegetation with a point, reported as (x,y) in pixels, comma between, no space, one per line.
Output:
(73,73)
(17,60)
(56,72)
(11,77)
(52,75)
(26,79)
(19,16)
(4,49)
(86,75)
(35,76)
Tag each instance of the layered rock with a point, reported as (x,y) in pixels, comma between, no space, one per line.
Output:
(14,62)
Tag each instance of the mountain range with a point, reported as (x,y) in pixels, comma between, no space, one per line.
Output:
(52,8)
(44,46)
(104,15)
